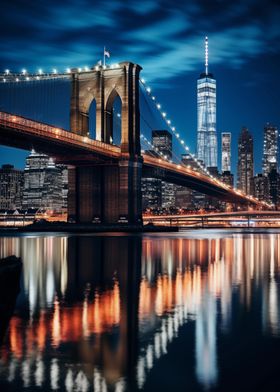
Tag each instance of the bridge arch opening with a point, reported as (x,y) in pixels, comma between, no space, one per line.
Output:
(92,119)
(113,118)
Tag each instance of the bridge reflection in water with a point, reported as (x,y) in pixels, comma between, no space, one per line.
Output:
(98,313)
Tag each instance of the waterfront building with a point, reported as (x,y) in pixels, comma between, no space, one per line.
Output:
(151,193)
(270,149)
(44,183)
(52,190)
(206,116)
(11,185)
(184,198)
(261,187)
(226,152)
(245,168)
(274,187)
(64,174)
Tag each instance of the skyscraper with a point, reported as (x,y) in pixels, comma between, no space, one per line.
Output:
(151,193)
(11,183)
(245,168)
(261,187)
(226,152)
(206,116)
(43,183)
(156,193)
(274,187)
(162,140)
(270,149)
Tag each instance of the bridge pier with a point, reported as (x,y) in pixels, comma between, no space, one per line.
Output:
(108,194)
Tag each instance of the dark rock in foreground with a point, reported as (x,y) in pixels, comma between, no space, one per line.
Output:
(10,271)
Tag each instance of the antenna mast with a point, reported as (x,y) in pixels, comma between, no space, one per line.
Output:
(206,55)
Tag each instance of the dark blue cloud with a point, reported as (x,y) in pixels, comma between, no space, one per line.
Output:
(164,36)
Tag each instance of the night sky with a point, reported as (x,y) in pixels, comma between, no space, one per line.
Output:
(166,38)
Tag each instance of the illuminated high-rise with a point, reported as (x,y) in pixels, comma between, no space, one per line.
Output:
(206,116)
(11,184)
(270,149)
(162,141)
(245,167)
(226,152)
(44,183)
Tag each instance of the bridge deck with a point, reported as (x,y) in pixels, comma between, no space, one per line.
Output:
(36,130)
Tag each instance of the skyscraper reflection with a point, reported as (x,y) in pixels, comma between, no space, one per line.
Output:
(99,312)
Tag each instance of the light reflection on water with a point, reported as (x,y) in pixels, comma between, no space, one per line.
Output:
(98,313)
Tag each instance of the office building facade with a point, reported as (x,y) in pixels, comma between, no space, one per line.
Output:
(261,187)
(11,186)
(270,149)
(226,151)
(162,141)
(44,186)
(245,167)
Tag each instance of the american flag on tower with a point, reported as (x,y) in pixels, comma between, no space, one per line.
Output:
(106,53)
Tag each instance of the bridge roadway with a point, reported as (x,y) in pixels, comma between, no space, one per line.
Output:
(72,149)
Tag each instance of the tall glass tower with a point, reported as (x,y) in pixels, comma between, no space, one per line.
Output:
(206,116)
(270,149)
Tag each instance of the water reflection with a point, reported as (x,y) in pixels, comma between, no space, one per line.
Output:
(98,313)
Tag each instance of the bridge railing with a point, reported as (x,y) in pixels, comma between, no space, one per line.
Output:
(42,129)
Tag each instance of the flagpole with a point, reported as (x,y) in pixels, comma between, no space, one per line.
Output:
(104,57)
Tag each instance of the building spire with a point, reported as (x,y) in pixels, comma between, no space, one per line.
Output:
(206,55)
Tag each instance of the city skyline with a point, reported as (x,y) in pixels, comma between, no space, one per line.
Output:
(244,83)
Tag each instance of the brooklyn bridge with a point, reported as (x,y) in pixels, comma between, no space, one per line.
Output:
(105,178)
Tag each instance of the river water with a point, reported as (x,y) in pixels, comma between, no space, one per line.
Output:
(163,312)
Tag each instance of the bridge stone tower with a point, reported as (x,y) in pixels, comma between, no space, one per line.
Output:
(107,192)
